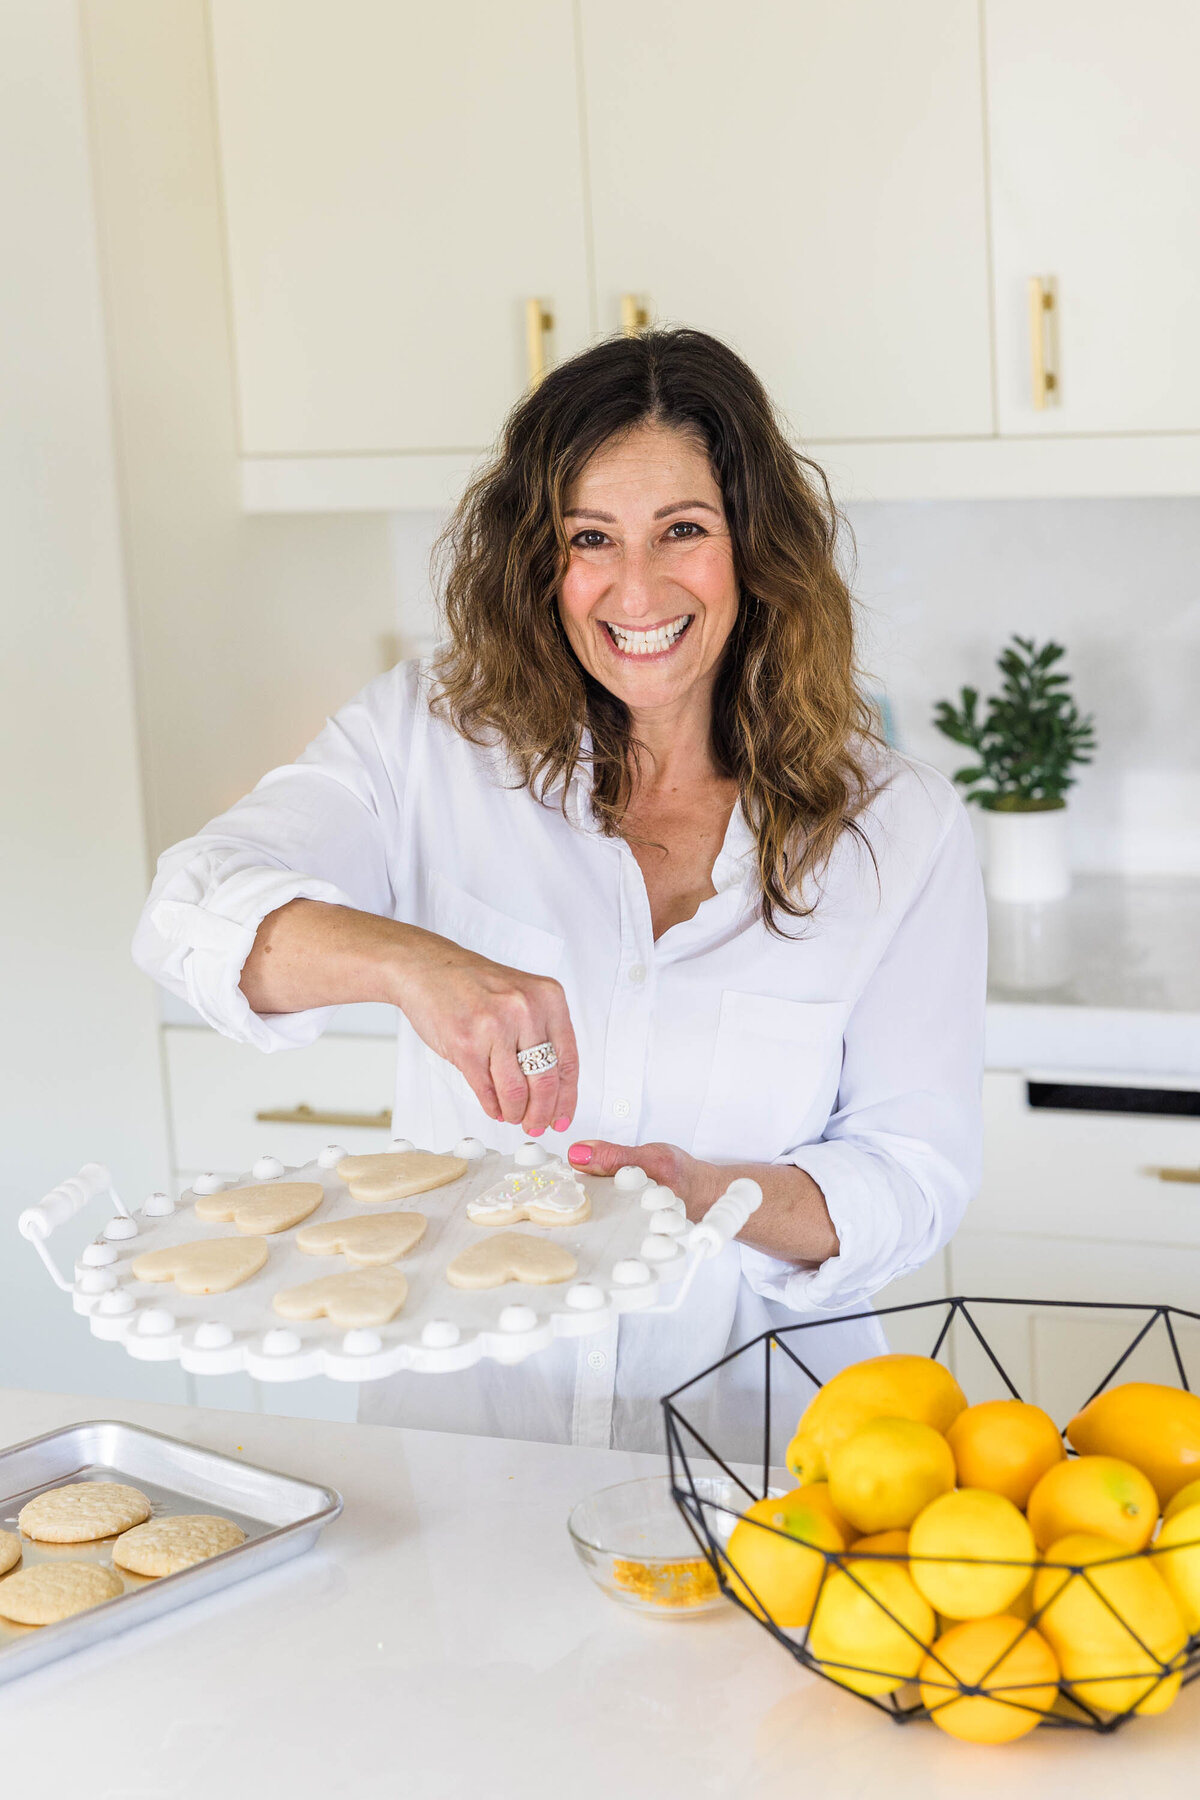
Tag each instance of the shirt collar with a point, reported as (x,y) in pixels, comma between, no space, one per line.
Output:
(735,859)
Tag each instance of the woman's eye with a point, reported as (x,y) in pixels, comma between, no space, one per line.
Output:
(588,540)
(685,528)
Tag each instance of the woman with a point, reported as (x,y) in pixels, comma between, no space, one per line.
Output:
(636,876)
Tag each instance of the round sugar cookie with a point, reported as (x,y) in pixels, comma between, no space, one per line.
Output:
(398,1174)
(10,1551)
(164,1546)
(48,1592)
(82,1512)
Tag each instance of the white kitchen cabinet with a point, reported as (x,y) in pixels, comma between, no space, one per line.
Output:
(1085,1174)
(1069,1209)
(1057,1356)
(218,1088)
(915,1332)
(805,180)
(398,182)
(1095,177)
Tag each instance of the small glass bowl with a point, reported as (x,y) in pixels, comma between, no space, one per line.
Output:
(634,1543)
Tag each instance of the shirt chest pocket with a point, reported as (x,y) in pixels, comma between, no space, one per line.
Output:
(774,1079)
(491,933)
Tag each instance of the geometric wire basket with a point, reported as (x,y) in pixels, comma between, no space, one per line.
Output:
(711,1524)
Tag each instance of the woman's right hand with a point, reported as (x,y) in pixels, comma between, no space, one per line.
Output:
(477,1014)
(473,1012)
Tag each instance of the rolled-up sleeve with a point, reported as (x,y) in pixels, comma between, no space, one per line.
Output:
(900,1157)
(318,829)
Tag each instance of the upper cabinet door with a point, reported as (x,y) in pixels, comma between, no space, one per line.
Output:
(804,178)
(399,180)
(1095,153)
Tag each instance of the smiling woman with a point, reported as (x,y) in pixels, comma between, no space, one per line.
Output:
(646,497)
(630,865)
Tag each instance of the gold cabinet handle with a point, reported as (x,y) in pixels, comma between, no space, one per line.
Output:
(313,1115)
(635,315)
(1043,340)
(539,323)
(1169,1174)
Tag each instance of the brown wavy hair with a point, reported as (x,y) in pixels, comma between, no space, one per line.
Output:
(789,722)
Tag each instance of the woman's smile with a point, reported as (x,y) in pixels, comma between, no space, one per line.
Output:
(646,641)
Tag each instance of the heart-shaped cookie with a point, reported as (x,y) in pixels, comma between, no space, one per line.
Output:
(361,1297)
(511,1256)
(262,1211)
(211,1266)
(545,1195)
(366,1239)
(398,1174)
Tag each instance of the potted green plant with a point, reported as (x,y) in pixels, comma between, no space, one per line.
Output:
(1027,740)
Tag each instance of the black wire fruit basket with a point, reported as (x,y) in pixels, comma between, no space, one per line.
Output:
(974,1338)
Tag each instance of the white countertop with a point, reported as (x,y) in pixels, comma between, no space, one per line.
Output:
(442,1643)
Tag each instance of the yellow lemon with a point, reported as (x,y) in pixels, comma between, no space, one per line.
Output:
(774,1561)
(816,1493)
(1098,1494)
(880,1478)
(872,1628)
(1013,1665)
(971,1553)
(1022,1606)
(1005,1446)
(1187,1496)
(882,1543)
(1155,1428)
(1181,1568)
(1110,1619)
(894,1386)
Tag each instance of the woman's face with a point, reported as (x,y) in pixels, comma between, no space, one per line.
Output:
(649,595)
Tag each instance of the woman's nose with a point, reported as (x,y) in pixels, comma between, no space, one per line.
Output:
(634,591)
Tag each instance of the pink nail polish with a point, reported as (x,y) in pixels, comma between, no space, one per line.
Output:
(561,1124)
(580,1153)
(535,1130)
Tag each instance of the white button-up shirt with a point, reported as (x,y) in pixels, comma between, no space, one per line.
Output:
(851,1048)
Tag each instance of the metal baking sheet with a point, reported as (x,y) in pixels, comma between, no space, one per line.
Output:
(280,1515)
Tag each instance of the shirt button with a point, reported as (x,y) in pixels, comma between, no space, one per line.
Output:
(621,1108)
(597,1359)
(637,974)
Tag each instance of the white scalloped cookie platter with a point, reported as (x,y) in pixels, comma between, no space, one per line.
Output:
(627,1251)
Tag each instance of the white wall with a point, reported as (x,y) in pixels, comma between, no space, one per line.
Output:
(80,1073)
(248,630)
(943,584)
(1117,581)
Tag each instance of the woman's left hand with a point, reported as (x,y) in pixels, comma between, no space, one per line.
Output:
(792,1223)
(698,1184)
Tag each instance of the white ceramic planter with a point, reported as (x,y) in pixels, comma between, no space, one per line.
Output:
(1027,855)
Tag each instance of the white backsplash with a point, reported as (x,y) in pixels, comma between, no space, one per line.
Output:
(942,584)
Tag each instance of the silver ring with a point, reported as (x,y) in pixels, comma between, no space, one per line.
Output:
(538,1060)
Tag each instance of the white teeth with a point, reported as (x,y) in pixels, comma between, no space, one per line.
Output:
(648,643)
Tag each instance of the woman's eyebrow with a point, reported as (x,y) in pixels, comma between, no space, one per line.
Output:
(686,506)
(587,512)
